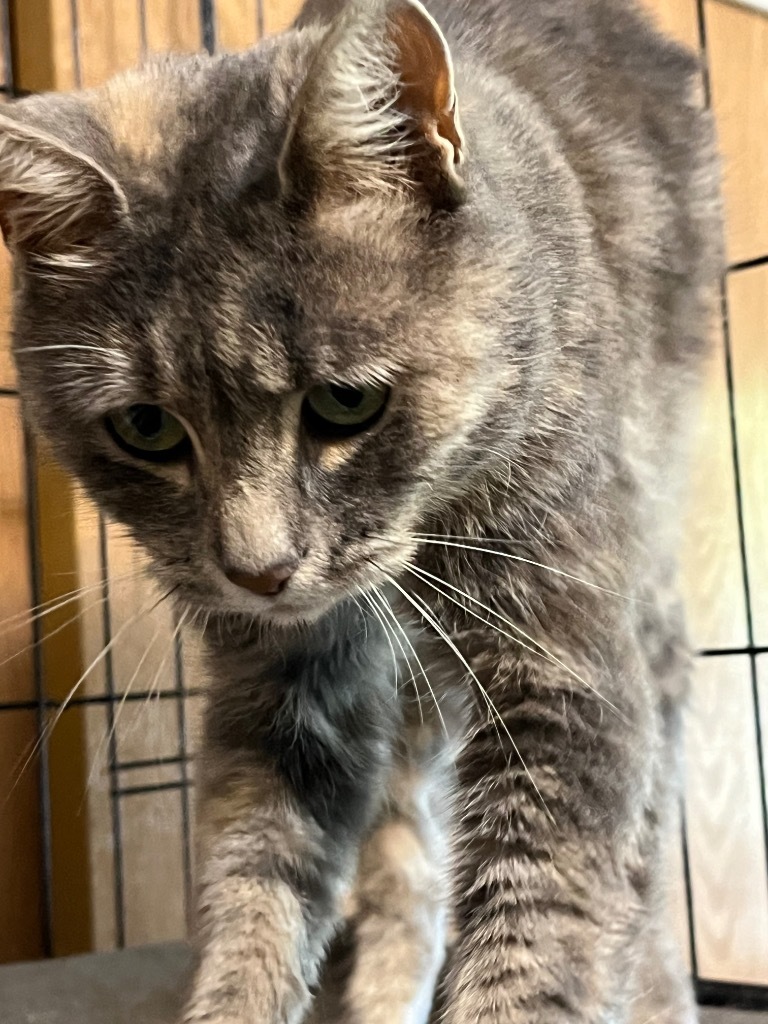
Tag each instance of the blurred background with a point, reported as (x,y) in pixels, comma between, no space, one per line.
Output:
(96,812)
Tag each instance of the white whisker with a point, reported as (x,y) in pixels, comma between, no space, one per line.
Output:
(154,687)
(92,349)
(422,670)
(113,728)
(424,611)
(53,604)
(542,651)
(386,610)
(46,732)
(48,636)
(362,614)
(435,538)
(383,625)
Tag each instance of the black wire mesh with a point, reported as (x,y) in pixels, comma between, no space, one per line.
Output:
(708,990)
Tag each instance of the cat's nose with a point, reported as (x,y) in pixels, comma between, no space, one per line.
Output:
(268,583)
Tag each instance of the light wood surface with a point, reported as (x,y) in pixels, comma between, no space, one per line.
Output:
(7,370)
(748,315)
(678,18)
(279,14)
(723,805)
(237,24)
(710,555)
(737,41)
(173,25)
(20,865)
(725,837)
(44,55)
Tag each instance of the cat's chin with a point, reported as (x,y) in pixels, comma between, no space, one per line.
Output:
(285,616)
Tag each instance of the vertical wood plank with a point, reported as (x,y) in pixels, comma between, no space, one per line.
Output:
(280,14)
(20,863)
(710,555)
(63,667)
(16,678)
(237,24)
(20,834)
(748,315)
(173,25)
(737,42)
(7,369)
(101,844)
(109,38)
(43,44)
(153,867)
(727,854)
(678,18)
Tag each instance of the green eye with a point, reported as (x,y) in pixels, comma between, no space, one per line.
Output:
(333,411)
(148,432)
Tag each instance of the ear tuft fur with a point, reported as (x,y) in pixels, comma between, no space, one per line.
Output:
(378,110)
(54,201)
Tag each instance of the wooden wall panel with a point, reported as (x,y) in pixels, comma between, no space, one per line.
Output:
(62,655)
(173,25)
(20,850)
(153,865)
(101,843)
(7,370)
(710,556)
(109,38)
(237,24)
(748,314)
(42,40)
(16,677)
(20,835)
(679,18)
(737,42)
(725,835)
(280,14)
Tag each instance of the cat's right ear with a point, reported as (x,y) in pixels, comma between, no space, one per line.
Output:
(378,111)
(55,202)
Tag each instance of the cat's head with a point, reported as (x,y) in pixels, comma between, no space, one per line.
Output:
(254,305)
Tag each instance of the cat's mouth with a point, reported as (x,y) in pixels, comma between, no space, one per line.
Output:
(282,610)
(289,603)
(291,594)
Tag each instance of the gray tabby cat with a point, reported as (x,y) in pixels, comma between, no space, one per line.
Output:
(379,338)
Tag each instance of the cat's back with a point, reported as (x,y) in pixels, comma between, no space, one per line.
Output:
(613,38)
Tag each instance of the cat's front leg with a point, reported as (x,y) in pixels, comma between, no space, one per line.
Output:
(401,903)
(556,860)
(296,749)
(266,904)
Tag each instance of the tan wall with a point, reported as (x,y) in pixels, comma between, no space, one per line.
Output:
(727,857)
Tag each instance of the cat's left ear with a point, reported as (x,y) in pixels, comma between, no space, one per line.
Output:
(55,202)
(378,109)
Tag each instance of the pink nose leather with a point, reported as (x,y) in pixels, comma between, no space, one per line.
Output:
(266,584)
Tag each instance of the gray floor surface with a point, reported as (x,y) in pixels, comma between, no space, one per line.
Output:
(138,986)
